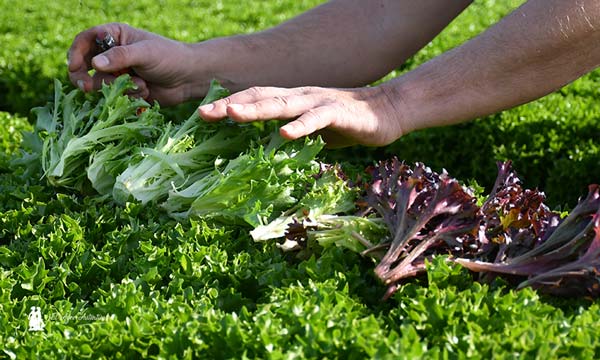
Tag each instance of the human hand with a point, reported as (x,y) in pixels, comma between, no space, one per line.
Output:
(162,66)
(343,116)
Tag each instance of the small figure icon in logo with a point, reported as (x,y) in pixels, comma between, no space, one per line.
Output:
(36,322)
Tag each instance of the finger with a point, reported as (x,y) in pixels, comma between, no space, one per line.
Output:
(141,90)
(78,59)
(166,96)
(313,120)
(81,52)
(278,107)
(121,57)
(218,109)
(140,94)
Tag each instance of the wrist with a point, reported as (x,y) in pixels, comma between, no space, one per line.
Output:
(428,97)
(201,68)
(397,107)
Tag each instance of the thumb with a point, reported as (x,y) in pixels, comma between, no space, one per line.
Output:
(119,58)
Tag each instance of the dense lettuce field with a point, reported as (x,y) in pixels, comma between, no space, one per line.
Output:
(129,281)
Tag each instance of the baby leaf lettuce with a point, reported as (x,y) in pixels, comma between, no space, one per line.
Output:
(580,277)
(523,239)
(568,254)
(106,163)
(122,147)
(76,126)
(356,233)
(515,220)
(425,213)
(262,181)
(328,194)
(183,154)
(323,216)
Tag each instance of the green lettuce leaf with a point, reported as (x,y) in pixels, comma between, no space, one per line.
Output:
(261,182)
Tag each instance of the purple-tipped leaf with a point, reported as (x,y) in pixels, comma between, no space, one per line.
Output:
(577,278)
(426,214)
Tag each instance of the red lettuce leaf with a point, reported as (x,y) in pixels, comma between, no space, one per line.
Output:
(577,278)
(515,220)
(568,254)
(426,214)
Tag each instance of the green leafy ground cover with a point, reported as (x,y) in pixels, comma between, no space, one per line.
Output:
(129,281)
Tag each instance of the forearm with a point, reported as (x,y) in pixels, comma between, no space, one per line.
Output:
(342,43)
(537,49)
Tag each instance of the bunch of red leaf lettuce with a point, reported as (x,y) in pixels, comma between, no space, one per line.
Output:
(557,256)
(409,215)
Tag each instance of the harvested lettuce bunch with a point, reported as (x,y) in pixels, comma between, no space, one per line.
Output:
(183,154)
(77,126)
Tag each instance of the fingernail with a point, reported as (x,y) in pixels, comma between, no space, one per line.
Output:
(101,61)
(236,107)
(81,85)
(207,107)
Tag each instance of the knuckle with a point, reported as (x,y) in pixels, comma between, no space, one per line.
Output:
(313,114)
(255,91)
(122,26)
(306,90)
(281,101)
(78,37)
(223,102)
(312,119)
(115,27)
